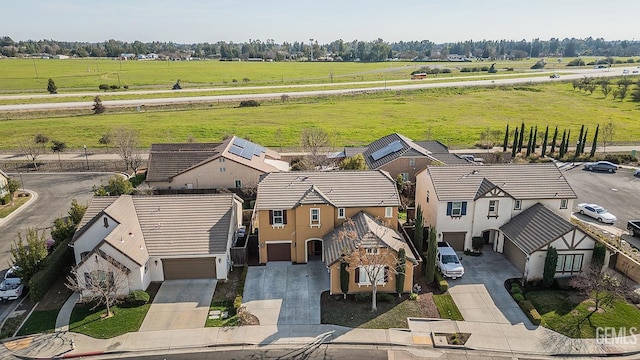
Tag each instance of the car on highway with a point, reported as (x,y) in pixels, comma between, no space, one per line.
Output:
(601,166)
(636,173)
(597,212)
(555,76)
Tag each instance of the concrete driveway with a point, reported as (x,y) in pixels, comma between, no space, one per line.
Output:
(480,294)
(284,294)
(180,304)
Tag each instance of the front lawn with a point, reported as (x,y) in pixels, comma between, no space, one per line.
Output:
(5,210)
(222,306)
(447,307)
(40,322)
(563,312)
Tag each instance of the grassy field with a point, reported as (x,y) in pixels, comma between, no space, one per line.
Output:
(455,116)
(31,75)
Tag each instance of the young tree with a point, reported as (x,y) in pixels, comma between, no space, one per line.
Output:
(63,228)
(33,147)
(544,141)
(566,143)
(76,212)
(599,252)
(100,285)
(430,261)
(579,146)
(561,149)
(98,108)
(58,147)
(555,139)
(418,236)
(28,257)
(514,148)
(583,142)
(535,140)
(601,287)
(354,163)
(105,139)
(505,143)
(529,141)
(400,272)
(126,142)
(313,140)
(344,278)
(550,262)
(595,142)
(521,137)
(608,130)
(51,87)
(12,186)
(117,186)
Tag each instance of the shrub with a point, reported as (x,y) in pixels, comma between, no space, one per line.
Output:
(477,242)
(518,297)
(516,289)
(443,285)
(103,87)
(618,158)
(413,296)
(137,298)
(564,283)
(384,297)
(249,103)
(363,297)
(114,87)
(54,266)
(237,302)
(530,311)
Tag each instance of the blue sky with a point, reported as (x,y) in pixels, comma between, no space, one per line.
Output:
(193,21)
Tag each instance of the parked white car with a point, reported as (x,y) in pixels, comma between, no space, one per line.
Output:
(448,262)
(597,212)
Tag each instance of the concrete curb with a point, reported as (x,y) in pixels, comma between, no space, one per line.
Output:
(33,196)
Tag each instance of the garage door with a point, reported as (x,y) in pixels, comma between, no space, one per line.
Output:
(515,255)
(455,239)
(279,252)
(189,268)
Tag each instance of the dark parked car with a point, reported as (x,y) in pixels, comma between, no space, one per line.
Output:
(636,173)
(601,166)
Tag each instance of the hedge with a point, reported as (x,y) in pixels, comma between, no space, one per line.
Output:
(53,267)
(443,285)
(530,311)
(237,301)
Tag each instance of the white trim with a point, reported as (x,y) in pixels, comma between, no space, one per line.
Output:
(306,248)
(343,213)
(388,212)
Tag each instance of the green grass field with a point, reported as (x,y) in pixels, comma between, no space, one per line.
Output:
(455,116)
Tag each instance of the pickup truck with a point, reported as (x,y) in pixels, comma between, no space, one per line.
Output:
(10,290)
(634,227)
(448,262)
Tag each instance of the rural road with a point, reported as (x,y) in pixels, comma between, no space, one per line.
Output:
(567,74)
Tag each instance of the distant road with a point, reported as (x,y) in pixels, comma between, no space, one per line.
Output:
(566,74)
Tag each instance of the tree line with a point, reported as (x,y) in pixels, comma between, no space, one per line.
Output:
(375,50)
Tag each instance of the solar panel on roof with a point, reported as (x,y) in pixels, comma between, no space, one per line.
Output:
(259,150)
(239,142)
(235,150)
(247,153)
(391,148)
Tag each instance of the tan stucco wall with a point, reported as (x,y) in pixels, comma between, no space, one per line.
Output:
(209,176)
(354,288)
(401,165)
(298,231)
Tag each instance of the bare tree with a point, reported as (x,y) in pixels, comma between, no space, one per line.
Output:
(608,130)
(136,162)
(126,141)
(144,189)
(374,262)
(32,148)
(602,287)
(313,141)
(101,283)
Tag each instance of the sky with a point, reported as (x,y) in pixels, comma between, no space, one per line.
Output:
(197,21)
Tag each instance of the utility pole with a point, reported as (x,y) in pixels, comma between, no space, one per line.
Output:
(311,43)
(86,159)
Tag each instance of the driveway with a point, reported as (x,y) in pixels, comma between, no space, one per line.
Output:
(480,294)
(284,294)
(180,304)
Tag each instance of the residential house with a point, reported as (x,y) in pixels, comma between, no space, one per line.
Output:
(157,238)
(297,215)
(4,179)
(519,210)
(234,163)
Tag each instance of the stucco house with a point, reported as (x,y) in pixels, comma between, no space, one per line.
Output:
(3,183)
(157,238)
(520,210)
(233,163)
(297,214)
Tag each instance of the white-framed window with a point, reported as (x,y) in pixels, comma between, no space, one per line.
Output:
(563,203)
(493,208)
(238,183)
(456,208)
(222,169)
(372,250)
(569,263)
(314,217)
(412,162)
(277,217)
(379,271)
(517,205)
(146,267)
(388,212)
(341,213)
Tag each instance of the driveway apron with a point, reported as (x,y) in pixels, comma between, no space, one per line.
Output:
(286,294)
(480,294)
(180,304)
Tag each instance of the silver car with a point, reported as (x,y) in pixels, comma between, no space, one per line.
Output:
(601,166)
(597,212)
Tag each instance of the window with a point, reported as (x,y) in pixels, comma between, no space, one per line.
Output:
(569,263)
(493,208)
(105,220)
(278,217)
(238,183)
(517,205)
(457,208)
(341,213)
(222,169)
(372,251)
(221,159)
(314,215)
(412,162)
(99,278)
(380,272)
(428,193)
(405,177)
(146,267)
(563,203)
(388,212)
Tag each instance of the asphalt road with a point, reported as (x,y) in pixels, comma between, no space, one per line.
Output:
(618,192)
(499,79)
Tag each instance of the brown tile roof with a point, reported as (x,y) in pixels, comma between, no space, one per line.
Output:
(368,232)
(522,181)
(286,190)
(403,147)
(169,160)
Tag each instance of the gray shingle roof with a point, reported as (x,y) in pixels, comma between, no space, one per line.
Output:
(169,160)
(366,232)
(286,190)
(535,227)
(409,148)
(522,181)
(433,146)
(450,159)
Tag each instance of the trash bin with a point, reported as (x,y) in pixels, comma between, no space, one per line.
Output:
(633,153)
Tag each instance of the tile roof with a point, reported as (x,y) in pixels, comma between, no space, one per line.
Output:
(367,232)
(172,225)
(407,148)
(286,190)
(522,181)
(433,146)
(535,227)
(450,159)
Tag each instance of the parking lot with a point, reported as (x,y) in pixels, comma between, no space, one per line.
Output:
(618,192)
